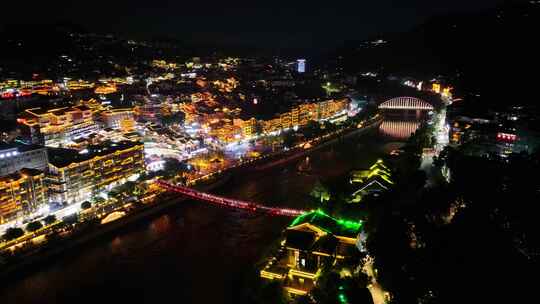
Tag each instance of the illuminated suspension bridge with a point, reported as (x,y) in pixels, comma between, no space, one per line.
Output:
(229,202)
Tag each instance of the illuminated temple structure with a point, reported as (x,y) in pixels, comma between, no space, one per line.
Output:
(311,241)
(372,181)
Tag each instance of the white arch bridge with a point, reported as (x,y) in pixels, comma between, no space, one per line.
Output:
(405,103)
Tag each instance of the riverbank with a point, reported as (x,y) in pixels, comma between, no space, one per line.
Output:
(303,152)
(40,256)
(47,253)
(183,250)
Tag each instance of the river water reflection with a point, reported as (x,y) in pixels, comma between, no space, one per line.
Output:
(194,252)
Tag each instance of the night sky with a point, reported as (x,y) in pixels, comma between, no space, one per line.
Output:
(277,23)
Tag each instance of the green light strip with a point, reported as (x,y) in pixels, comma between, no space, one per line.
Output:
(347,224)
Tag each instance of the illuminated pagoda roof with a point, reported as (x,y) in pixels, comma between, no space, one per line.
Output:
(376,171)
(328,224)
(373,180)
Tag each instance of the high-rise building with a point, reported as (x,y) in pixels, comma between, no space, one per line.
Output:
(301,65)
(74,176)
(14,157)
(21,193)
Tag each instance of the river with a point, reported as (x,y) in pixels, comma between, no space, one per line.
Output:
(194,253)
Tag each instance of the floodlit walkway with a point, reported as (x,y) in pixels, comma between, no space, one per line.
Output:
(377,293)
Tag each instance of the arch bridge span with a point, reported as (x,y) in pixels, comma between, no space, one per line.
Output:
(405,103)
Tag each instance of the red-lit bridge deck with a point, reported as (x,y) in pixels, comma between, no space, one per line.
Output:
(228,202)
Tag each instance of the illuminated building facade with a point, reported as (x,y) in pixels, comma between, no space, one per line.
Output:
(489,138)
(248,127)
(306,112)
(313,240)
(21,193)
(272,125)
(74,176)
(225,131)
(436,87)
(285,120)
(74,85)
(457,132)
(122,119)
(14,157)
(149,111)
(162,64)
(464,129)
(106,89)
(330,108)
(94,105)
(303,113)
(226,86)
(19,88)
(57,126)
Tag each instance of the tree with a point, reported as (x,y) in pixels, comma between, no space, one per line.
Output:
(168,120)
(303,300)
(311,130)
(50,219)
(140,189)
(329,127)
(289,139)
(127,187)
(320,192)
(71,219)
(99,200)
(327,289)
(271,292)
(143,177)
(86,205)
(173,167)
(13,233)
(33,226)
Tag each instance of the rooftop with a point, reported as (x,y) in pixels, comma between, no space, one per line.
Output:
(301,240)
(61,157)
(24,172)
(337,227)
(20,147)
(378,171)
(56,111)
